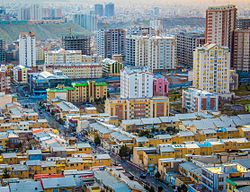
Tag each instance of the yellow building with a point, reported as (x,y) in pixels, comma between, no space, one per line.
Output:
(62,57)
(80,92)
(244,131)
(137,108)
(111,67)
(3,139)
(84,148)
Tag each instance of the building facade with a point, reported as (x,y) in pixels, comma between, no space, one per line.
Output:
(186,44)
(4,79)
(88,21)
(160,86)
(137,108)
(77,42)
(109,10)
(111,42)
(20,74)
(241,50)
(99,10)
(155,52)
(27,49)
(220,23)
(80,92)
(78,71)
(243,23)
(63,57)
(211,69)
(111,67)
(195,100)
(136,82)
(2,51)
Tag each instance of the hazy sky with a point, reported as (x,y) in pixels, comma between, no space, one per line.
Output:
(187,2)
(242,4)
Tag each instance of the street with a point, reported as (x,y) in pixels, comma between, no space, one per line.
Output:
(136,172)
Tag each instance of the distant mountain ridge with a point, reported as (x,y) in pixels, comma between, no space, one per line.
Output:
(10,32)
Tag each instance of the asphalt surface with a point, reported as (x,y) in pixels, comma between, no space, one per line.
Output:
(136,172)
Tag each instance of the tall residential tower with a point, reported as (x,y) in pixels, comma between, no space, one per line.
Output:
(27,49)
(220,23)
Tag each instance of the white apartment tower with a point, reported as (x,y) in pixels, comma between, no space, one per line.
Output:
(211,68)
(136,82)
(27,49)
(220,23)
(155,52)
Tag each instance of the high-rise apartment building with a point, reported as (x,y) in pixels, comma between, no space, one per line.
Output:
(136,82)
(24,13)
(99,10)
(155,52)
(220,23)
(27,49)
(111,42)
(110,10)
(241,50)
(2,51)
(77,42)
(211,68)
(88,21)
(36,12)
(186,44)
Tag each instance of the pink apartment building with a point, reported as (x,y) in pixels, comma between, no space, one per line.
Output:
(160,86)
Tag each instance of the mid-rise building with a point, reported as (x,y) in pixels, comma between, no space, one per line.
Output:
(211,68)
(111,67)
(20,74)
(137,108)
(99,10)
(80,92)
(214,178)
(88,21)
(4,79)
(109,10)
(2,51)
(111,42)
(186,44)
(195,100)
(220,23)
(241,50)
(39,82)
(155,52)
(63,57)
(27,49)
(243,23)
(160,86)
(78,71)
(77,42)
(136,82)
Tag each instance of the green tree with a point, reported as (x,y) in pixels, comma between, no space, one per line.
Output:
(151,189)
(182,188)
(124,151)
(97,140)
(6,173)
(157,175)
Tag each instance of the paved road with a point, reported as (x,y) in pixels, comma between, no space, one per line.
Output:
(136,171)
